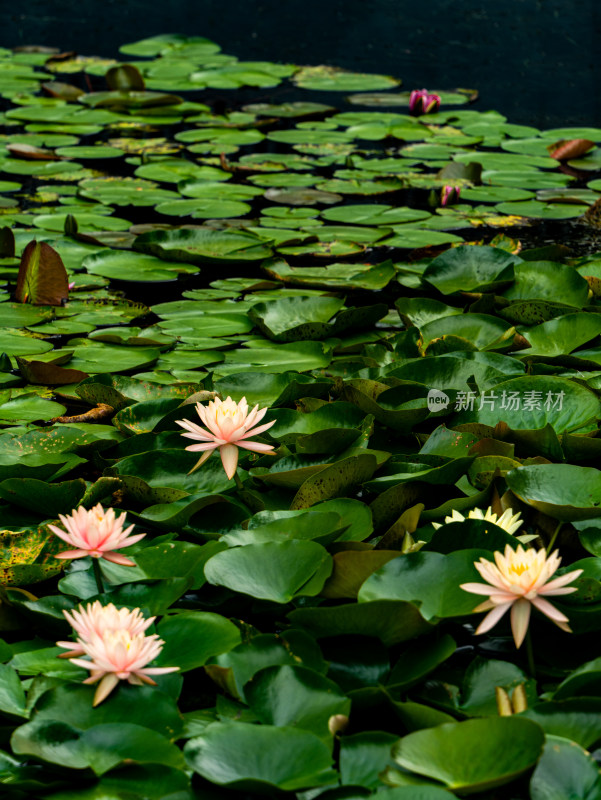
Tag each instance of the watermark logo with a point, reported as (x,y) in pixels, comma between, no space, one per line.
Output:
(510,401)
(437,400)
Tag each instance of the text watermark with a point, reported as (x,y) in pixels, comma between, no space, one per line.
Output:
(529,401)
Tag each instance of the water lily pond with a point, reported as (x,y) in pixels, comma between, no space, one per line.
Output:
(300,392)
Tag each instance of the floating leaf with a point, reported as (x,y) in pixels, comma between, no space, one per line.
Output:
(42,278)
(266,756)
(489,752)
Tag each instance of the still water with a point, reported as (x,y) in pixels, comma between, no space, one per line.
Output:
(536,61)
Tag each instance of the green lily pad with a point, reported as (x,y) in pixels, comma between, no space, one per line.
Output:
(164,477)
(276,571)
(391,621)
(203,246)
(95,357)
(562,335)
(128,266)
(407,577)
(333,276)
(470,269)
(328,79)
(538,210)
(303,196)
(483,330)
(297,697)
(85,221)
(124,191)
(299,356)
(563,491)
(266,756)
(547,280)
(364,214)
(212,634)
(86,152)
(564,770)
(203,209)
(489,752)
(178,169)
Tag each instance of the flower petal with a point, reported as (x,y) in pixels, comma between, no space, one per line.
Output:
(73,554)
(105,687)
(549,610)
(491,619)
(201,460)
(229,459)
(257,447)
(261,428)
(520,617)
(477,588)
(557,583)
(199,448)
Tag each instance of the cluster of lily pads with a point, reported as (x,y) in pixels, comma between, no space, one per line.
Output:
(433,396)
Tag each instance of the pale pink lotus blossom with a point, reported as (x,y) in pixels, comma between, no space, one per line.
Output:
(95,619)
(119,655)
(97,533)
(517,581)
(229,424)
(422,102)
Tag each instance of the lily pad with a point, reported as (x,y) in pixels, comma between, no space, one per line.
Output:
(276,571)
(202,246)
(563,491)
(266,756)
(489,752)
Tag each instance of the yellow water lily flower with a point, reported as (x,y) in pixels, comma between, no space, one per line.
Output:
(508,521)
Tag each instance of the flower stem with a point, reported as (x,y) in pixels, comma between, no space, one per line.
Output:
(553,538)
(530,655)
(98,575)
(239,484)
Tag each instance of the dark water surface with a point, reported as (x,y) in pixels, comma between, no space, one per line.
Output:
(536,61)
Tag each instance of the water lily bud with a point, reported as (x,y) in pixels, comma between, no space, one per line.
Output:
(449,195)
(519,699)
(421,102)
(337,723)
(504,706)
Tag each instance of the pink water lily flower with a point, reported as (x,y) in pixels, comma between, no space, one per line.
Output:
(119,655)
(449,195)
(97,533)
(518,580)
(95,619)
(229,426)
(422,102)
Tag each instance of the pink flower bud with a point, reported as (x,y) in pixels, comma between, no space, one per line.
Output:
(421,102)
(449,195)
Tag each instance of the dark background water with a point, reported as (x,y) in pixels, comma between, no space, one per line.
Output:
(537,61)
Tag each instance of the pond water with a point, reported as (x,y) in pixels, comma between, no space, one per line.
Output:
(535,61)
(393,290)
